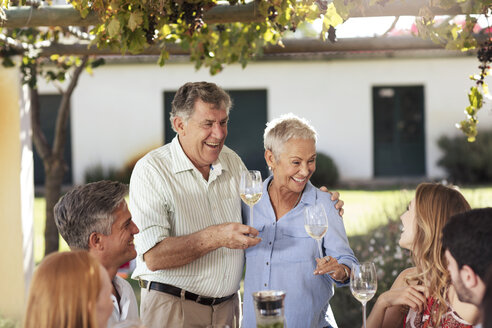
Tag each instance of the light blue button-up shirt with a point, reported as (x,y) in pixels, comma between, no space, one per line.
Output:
(285,260)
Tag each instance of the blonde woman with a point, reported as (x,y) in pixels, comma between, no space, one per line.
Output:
(69,289)
(422,296)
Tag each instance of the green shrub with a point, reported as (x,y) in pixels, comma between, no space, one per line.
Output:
(467,162)
(98,173)
(326,173)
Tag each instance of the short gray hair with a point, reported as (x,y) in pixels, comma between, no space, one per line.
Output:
(87,209)
(280,130)
(183,104)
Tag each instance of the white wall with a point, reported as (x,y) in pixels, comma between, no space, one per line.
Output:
(117,113)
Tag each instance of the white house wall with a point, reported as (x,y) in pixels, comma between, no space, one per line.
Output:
(117,113)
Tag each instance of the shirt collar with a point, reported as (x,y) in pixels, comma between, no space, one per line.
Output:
(181,162)
(308,196)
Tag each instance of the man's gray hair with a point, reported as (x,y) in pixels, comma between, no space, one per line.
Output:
(87,209)
(288,126)
(183,104)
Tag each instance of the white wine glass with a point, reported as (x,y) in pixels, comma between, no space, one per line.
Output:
(250,189)
(363,284)
(316,223)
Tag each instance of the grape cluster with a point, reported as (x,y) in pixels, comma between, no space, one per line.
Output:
(220,28)
(332,35)
(272,13)
(193,15)
(484,55)
(150,32)
(293,27)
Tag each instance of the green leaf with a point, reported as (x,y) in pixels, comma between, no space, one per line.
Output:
(84,12)
(268,35)
(113,27)
(163,57)
(135,20)
(485,88)
(98,62)
(455,31)
(331,17)
(7,62)
(475,97)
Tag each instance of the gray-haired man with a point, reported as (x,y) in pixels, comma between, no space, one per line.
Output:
(184,198)
(95,217)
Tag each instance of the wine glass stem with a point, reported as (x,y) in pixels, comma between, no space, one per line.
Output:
(364,314)
(319,248)
(251,215)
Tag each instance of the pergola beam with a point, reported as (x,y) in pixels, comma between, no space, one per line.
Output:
(290,46)
(66,15)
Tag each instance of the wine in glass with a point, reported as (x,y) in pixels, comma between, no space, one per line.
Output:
(250,189)
(316,223)
(363,284)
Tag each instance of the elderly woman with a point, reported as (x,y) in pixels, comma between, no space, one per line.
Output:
(286,259)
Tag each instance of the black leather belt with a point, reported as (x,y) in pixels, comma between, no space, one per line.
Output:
(175,291)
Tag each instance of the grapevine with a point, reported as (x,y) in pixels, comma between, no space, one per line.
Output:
(477,92)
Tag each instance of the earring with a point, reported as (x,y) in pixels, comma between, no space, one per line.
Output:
(269,168)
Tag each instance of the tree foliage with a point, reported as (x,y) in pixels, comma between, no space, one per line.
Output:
(462,35)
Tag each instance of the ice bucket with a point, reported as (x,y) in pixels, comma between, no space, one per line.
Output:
(269,308)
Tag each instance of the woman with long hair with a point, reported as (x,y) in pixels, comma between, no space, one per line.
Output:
(422,296)
(69,289)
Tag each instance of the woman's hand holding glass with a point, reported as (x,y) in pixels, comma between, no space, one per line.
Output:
(330,265)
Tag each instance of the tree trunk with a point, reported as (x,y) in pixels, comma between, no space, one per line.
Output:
(55,169)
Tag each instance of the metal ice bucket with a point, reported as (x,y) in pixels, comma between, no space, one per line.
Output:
(269,308)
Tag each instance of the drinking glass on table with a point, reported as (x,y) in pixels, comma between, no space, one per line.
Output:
(250,189)
(316,223)
(363,284)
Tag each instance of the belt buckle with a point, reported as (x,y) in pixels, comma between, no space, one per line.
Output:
(205,300)
(141,283)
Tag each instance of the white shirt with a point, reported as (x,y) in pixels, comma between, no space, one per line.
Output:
(127,309)
(170,197)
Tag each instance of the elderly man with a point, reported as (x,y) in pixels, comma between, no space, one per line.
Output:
(467,239)
(185,200)
(95,217)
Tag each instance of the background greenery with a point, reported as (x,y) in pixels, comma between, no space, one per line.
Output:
(372,223)
(467,162)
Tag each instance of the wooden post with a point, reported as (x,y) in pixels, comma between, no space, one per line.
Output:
(16,195)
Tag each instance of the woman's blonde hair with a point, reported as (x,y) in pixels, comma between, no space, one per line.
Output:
(64,292)
(434,206)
